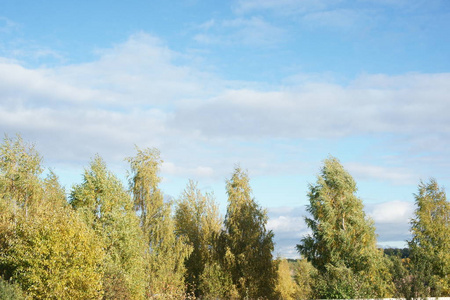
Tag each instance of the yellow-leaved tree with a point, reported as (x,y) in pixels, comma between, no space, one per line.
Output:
(45,247)
(165,251)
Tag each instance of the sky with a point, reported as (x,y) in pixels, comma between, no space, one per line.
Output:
(274,86)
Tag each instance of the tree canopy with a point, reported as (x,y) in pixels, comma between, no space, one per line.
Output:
(342,245)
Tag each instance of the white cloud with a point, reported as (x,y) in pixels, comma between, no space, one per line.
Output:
(195,172)
(289,227)
(390,174)
(392,221)
(141,92)
(410,104)
(393,212)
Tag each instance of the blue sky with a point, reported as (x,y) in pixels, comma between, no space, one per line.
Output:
(275,86)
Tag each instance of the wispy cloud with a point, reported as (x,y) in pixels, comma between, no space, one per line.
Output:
(282,6)
(375,172)
(253,31)
(7,26)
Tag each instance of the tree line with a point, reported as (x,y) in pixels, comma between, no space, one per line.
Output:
(106,240)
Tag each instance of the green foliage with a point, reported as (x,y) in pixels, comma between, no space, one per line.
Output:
(304,275)
(197,219)
(10,291)
(216,283)
(430,243)
(108,209)
(166,252)
(402,253)
(342,246)
(246,246)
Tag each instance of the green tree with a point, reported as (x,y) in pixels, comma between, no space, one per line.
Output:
(430,243)
(342,246)
(166,252)
(246,245)
(304,275)
(107,207)
(197,219)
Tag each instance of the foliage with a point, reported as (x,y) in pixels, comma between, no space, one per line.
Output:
(197,219)
(54,255)
(402,253)
(166,252)
(216,283)
(20,166)
(45,247)
(342,246)
(286,287)
(430,243)
(304,275)
(110,243)
(107,208)
(10,291)
(246,245)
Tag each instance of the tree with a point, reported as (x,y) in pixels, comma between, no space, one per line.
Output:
(44,245)
(107,207)
(342,246)
(286,286)
(20,166)
(430,243)
(197,219)
(53,254)
(166,252)
(304,275)
(246,244)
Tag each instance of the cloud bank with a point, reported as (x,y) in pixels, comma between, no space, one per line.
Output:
(141,92)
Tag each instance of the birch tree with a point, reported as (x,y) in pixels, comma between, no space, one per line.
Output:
(342,245)
(165,251)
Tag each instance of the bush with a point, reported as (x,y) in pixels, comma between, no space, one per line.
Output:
(10,291)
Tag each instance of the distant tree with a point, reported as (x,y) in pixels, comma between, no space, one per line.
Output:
(197,219)
(246,245)
(342,246)
(430,243)
(402,253)
(286,287)
(107,207)
(166,252)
